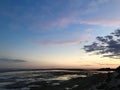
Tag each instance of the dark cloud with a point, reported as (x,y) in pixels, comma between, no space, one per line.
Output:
(11,60)
(108,46)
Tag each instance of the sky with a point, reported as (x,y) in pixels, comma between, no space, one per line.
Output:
(52,33)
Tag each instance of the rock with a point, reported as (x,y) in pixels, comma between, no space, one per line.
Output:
(111,83)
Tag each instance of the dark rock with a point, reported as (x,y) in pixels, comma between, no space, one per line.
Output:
(118,76)
(102,86)
(16,85)
(109,77)
(118,69)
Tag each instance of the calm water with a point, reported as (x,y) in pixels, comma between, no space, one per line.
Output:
(23,80)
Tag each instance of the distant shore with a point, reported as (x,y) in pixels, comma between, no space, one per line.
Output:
(69,69)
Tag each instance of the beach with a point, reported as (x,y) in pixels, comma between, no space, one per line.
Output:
(51,79)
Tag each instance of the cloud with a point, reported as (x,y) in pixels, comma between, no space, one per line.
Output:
(107,64)
(98,2)
(61,22)
(102,22)
(86,65)
(41,17)
(66,21)
(67,42)
(108,46)
(79,39)
(11,60)
(75,16)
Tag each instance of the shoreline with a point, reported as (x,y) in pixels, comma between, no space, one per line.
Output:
(77,83)
(72,84)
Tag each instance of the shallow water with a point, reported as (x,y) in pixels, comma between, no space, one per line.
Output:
(22,80)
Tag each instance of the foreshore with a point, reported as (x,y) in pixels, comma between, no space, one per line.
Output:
(62,80)
(73,84)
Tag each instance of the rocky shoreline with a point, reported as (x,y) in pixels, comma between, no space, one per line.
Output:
(73,84)
(112,82)
(96,81)
(103,81)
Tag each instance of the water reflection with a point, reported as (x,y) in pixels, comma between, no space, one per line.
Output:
(67,77)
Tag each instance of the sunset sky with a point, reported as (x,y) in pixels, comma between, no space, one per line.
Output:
(52,33)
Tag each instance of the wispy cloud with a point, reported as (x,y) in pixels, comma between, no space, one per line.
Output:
(60,22)
(39,17)
(67,21)
(102,22)
(67,42)
(107,64)
(86,65)
(80,38)
(98,2)
(11,60)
